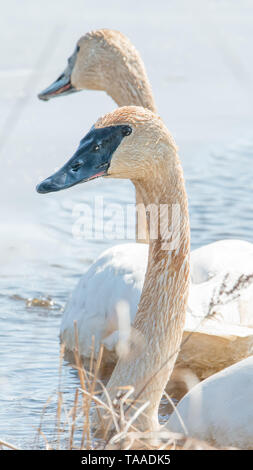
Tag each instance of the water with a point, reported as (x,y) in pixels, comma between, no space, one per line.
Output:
(199,64)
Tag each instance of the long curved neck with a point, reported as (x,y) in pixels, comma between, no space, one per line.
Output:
(160,318)
(132,88)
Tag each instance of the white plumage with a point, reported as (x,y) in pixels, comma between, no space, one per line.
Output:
(118,274)
(219,409)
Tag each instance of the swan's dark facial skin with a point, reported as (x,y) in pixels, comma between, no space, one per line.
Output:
(63,85)
(91,160)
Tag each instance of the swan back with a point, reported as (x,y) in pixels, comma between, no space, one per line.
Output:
(220,409)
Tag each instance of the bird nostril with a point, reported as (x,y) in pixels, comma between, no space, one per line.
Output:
(75,166)
(60,77)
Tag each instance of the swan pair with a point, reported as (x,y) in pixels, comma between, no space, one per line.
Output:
(160,317)
(106,60)
(223,403)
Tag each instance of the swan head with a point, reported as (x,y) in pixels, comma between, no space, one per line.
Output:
(99,57)
(130,143)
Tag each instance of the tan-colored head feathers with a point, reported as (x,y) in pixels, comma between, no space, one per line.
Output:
(126,115)
(108,61)
(142,154)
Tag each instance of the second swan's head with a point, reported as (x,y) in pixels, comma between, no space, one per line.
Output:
(102,59)
(130,142)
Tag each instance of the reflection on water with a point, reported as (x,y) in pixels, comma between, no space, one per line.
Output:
(32,299)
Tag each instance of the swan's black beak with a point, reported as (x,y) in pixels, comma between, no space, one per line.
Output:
(91,160)
(61,86)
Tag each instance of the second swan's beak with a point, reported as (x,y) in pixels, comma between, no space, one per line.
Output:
(61,86)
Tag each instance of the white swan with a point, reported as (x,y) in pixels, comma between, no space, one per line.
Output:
(219,409)
(107,60)
(116,144)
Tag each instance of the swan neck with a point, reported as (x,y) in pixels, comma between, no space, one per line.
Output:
(131,89)
(161,312)
(121,71)
(141,227)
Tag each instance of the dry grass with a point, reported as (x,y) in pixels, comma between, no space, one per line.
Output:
(225,294)
(73,428)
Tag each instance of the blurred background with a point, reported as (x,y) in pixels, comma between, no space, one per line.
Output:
(198,57)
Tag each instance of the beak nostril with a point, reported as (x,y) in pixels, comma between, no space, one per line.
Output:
(60,77)
(75,166)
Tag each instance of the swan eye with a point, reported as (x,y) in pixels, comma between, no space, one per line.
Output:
(126,130)
(77,48)
(96,147)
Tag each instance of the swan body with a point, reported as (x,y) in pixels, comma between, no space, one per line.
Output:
(118,274)
(214,343)
(220,408)
(106,60)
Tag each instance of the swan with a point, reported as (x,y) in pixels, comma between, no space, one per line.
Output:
(223,402)
(115,147)
(219,409)
(107,60)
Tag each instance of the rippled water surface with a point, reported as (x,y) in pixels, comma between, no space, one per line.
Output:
(199,65)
